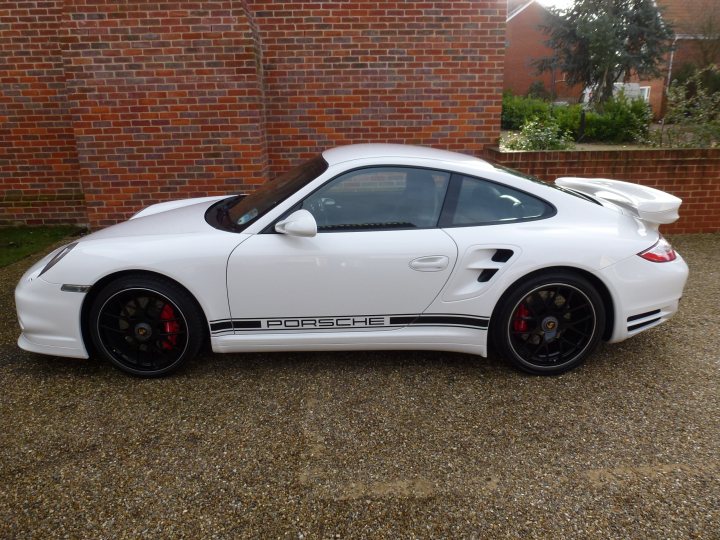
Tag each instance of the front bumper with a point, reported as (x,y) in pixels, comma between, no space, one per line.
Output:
(49,318)
(645,294)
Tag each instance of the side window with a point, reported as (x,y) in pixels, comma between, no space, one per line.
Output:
(380,198)
(481,202)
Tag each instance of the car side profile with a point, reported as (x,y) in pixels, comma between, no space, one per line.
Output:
(366,247)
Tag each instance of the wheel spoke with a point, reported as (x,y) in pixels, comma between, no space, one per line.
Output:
(112,329)
(584,334)
(579,321)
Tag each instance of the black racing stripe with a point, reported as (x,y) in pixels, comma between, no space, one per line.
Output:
(319,328)
(466,321)
(447,320)
(402,320)
(245,324)
(223,325)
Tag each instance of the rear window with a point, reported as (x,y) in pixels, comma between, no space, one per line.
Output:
(480,202)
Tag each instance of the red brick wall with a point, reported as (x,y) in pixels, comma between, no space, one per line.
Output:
(166,102)
(426,73)
(692,175)
(39,173)
(126,103)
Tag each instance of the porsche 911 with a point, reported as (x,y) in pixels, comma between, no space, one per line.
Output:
(366,247)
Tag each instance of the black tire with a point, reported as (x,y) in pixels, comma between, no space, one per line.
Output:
(146,326)
(549,323)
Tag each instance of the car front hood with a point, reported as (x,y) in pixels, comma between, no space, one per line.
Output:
(174,217)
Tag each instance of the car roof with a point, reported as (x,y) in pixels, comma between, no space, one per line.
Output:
(375,150)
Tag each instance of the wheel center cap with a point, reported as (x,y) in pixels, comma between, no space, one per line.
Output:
(550,324)
(550,328)
(143,331)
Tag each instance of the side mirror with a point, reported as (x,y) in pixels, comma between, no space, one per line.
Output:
(299,223)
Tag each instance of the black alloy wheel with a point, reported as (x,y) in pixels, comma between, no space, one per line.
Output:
(146,326)
(550,323)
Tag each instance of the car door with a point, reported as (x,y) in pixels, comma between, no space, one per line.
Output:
(378,257)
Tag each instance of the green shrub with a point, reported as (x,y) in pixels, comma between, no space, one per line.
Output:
(517,109)
(568,118)
(537,134)
(693,113)
(619,120)
(709,78)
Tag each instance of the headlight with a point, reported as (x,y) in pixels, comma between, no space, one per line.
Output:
(56,259)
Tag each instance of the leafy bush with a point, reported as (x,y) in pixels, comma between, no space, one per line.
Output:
(693,113)
(538,134)
(710,78)
(568,118)
(517,109)
(619,120)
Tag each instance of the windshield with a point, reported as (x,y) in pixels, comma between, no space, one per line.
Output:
(241,212)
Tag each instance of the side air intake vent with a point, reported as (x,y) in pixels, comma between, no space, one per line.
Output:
(502,255)
(486,274)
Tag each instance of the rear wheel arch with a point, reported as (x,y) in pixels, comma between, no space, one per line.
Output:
(599,285)
(549,321)
(98,286)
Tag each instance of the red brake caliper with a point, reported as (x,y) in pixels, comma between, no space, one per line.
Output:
(519,322)
(170,326)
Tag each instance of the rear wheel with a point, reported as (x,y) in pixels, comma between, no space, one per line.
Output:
(146,326)
(550,323)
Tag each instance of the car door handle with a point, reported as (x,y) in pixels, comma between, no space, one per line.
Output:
(432,263)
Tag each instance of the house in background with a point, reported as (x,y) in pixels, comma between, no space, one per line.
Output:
(696,25)
(696,42)
(525,43)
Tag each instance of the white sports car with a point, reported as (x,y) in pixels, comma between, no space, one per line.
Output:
(374,246)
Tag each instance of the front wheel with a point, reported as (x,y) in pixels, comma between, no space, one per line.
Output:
(550,323)
(146,326)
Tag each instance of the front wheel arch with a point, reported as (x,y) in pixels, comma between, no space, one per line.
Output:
(101,283)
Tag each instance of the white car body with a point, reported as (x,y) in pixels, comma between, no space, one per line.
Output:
(366,289)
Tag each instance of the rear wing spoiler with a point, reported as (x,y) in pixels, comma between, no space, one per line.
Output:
(652,206)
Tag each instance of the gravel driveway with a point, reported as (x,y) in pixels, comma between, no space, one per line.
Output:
(375,444)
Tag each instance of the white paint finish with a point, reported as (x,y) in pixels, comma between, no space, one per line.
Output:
(185,219)
(354,273)
(426,338)
(49,318)
(389,153)
(172,205)
(639,286)
(650,205)
(336,273)
(476,258)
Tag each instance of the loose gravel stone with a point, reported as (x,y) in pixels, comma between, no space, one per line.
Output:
(371,444)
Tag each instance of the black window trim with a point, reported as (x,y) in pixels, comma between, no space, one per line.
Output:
(451,202)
